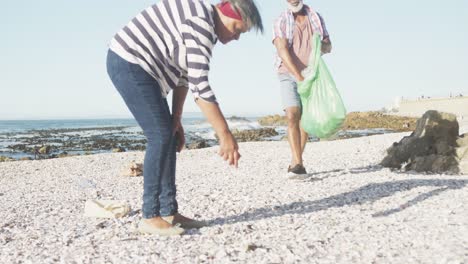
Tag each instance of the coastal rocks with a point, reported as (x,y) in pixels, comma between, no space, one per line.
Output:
(254,134)
(198,144)
(6,159)
(21,147)
(44,150)
(370,120)
(133,170)
(357,121)
(273,120)
(434,146)
(237,119)
(93,140)
(118,150)
(64,155)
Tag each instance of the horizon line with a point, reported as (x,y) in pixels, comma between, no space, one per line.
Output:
(189,114)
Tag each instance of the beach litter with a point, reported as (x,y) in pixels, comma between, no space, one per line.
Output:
(106,209)
(133,170)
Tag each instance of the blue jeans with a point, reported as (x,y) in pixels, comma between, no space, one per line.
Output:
(143,97)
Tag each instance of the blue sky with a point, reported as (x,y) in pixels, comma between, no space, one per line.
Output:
(53,56)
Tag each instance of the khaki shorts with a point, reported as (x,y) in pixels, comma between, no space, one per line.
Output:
(289,95)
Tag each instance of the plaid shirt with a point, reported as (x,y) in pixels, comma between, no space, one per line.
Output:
(284,27)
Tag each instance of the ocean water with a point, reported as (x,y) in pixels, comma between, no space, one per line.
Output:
(22,126)
(22,138)
(19,137)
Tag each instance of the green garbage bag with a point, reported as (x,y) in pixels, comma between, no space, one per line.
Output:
(323,111)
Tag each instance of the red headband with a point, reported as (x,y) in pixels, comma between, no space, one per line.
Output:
(227,10)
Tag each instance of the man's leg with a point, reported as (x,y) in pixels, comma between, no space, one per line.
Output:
(293,115)
(304,139)
(292,107)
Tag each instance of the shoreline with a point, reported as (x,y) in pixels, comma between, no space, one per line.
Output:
(44,140)
(65,141)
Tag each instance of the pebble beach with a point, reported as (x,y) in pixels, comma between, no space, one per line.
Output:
(348,209)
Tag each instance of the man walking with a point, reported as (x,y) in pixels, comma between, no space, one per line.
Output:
(292,38)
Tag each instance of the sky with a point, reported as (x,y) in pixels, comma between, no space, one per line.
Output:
(53,56)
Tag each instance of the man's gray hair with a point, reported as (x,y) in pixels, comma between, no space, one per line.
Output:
(249,12)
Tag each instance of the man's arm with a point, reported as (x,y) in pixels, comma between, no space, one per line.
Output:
(326,45)
(326,42)
(282,48)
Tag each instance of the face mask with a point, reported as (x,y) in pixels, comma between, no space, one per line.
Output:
(296,9)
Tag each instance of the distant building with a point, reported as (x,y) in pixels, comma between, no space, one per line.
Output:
(456,105)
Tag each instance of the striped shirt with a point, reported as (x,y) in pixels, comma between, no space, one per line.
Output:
(285,24)
(172,41)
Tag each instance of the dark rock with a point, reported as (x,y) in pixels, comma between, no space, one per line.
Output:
(198,144)
(433,163)
(252,247)
(118,149)
(273,120)
(462,146)
(138,147)
(6,159)
(370,120)
(44,150)
(357,121)
(64,155)
(254,134)
(434,146)
(237,119)
(18,147)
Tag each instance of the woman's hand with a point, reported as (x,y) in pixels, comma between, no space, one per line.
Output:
(229,149)
(178,131)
